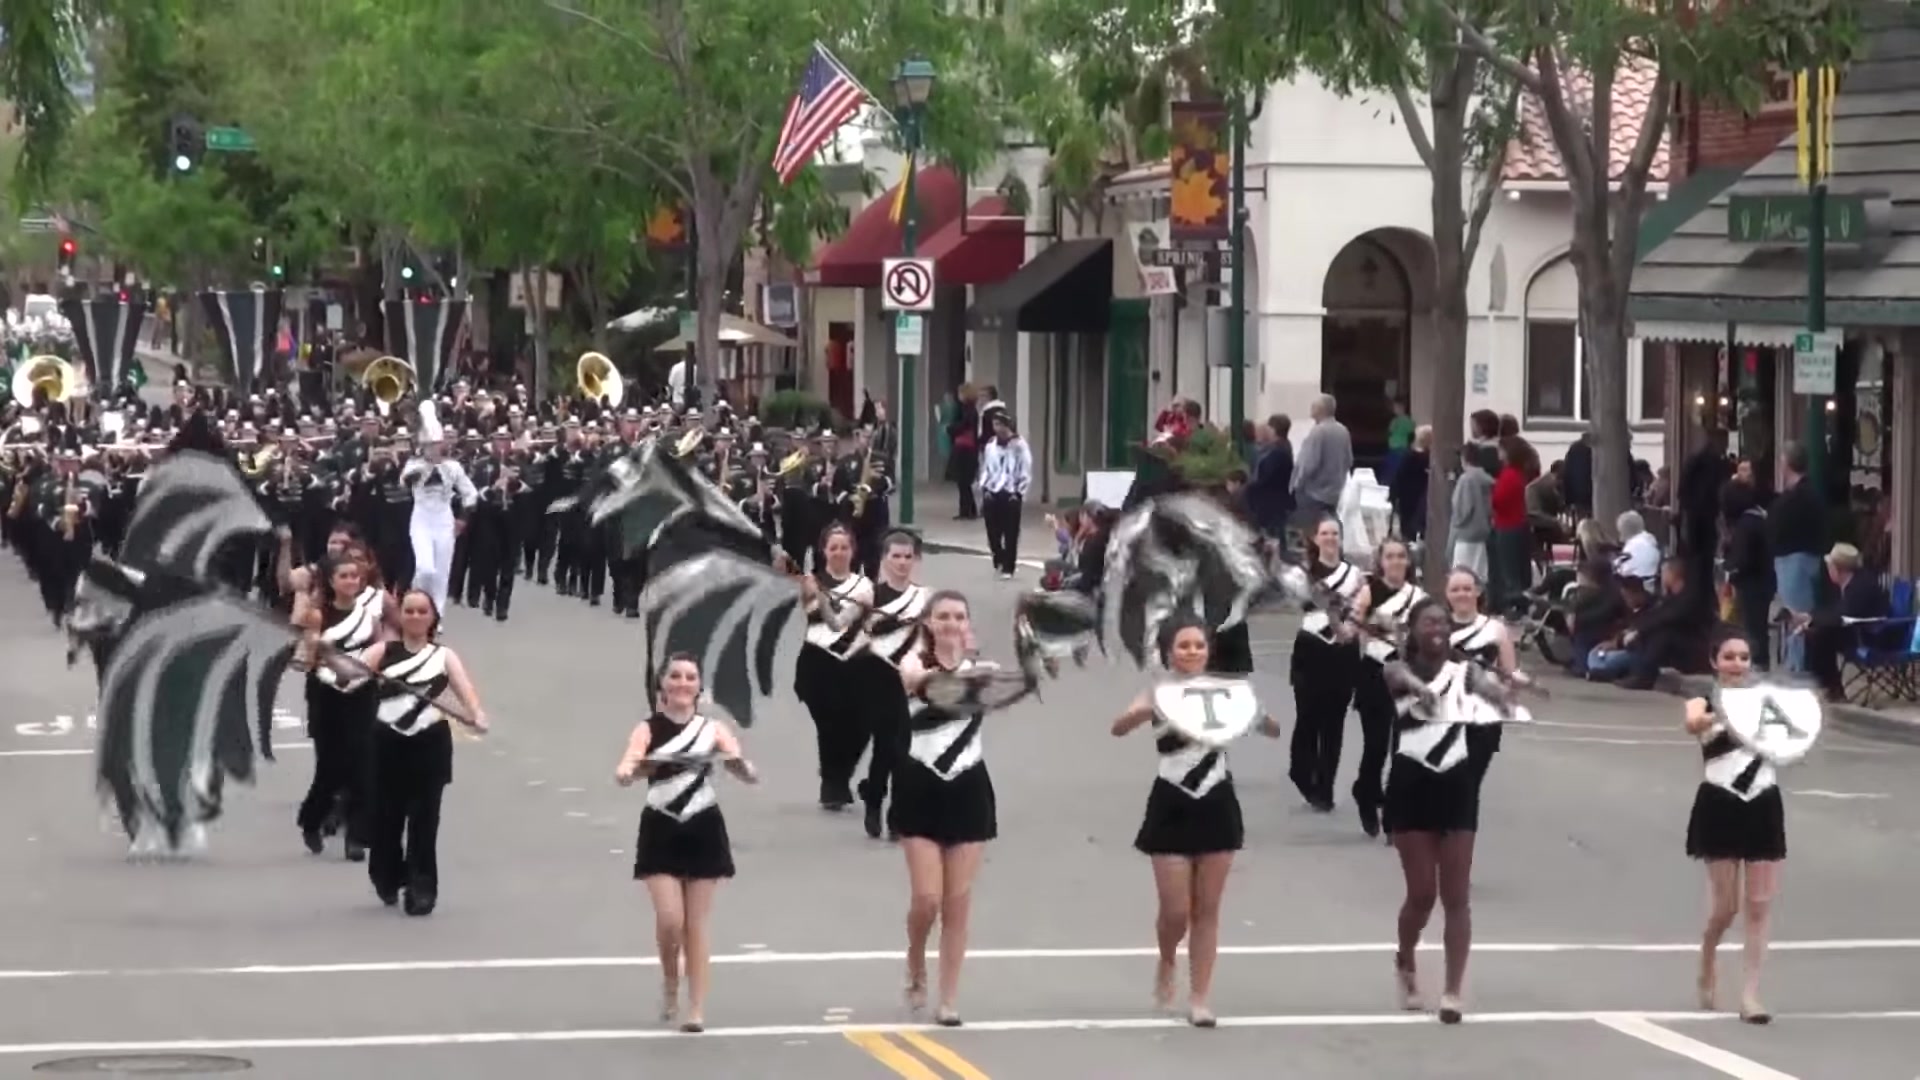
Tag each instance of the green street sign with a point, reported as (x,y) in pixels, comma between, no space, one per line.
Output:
(229,139)
(1787,219)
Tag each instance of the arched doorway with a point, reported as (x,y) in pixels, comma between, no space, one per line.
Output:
(1376,294)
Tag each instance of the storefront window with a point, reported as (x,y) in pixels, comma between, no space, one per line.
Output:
(1553,356)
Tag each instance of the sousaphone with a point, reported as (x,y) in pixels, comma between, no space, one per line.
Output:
(599,379)
(390,378)
(59,379)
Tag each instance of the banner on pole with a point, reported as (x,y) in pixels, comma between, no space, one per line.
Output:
(1200,162)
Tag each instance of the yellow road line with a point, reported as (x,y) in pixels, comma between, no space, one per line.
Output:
(943,1055)
(893,1057)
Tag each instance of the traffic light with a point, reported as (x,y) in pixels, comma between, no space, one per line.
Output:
(406,273)
(279,272)
(185,143)
(260,249)
(68,249)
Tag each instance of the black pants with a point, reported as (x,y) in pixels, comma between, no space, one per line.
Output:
(885,707)
(410,774)
(338,724)
(1374,703)
(840,728)
(537,544)
(460,584)
(1824,645)
(626,579)
(1002,516)
(1753,599)
(1323,679)
(969,509)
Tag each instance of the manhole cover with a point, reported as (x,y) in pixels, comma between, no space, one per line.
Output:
(145,1065)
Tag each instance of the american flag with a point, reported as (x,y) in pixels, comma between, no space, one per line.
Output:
(828,98)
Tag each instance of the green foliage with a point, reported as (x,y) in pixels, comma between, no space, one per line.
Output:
(1207,459)
(795,410)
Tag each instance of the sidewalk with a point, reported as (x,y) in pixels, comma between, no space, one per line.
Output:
(934,508)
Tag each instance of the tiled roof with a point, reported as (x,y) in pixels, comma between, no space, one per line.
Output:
(1532,156)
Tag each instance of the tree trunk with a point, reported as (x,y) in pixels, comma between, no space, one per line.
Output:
(533,284)
(1447,166)
(1605,335)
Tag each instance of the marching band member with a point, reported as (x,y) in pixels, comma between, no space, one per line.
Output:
(1325,666)
(682,853)
(340,613)
(838,598)
(1738,828)
(1191,829)
(892,631)
(1433,794)
(943,806)
(494,551)
(411,753)
(1392,597)
(437,485)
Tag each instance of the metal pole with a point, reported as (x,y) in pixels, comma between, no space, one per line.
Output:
(1816,440)
(908,407)
(1237,288)
(693,305)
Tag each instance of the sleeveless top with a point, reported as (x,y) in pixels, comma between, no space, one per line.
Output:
(1343,581)
(1430,736)
(1389,612)
(947,743)
(1479,639)
(676,789)
(1190,767)
(425,671)
(836,623)
(894,627)
(1732,767)
(350,632)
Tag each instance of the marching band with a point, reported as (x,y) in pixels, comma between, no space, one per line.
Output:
(379,527)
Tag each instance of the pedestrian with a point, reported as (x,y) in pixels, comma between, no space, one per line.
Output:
(1471,526)
(683,852)
(1006,475)
(1797,537)
(943,804)
(1321,469)
(411,754)
(1191,829)
(1433,798)
(962,419)
(1738,827)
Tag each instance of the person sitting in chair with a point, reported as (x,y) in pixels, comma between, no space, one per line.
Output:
(1844,594)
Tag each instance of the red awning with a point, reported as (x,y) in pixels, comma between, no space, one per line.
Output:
(982,246)
(853,261)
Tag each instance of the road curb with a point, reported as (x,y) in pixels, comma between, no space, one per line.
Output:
(1852,719)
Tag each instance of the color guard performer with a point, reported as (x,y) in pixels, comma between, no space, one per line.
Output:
(1738,827)
(340,613)
(1392,596)
(892,631)
(837,598)
(682,853)
(1325,666)
(1192,826)
(411,753)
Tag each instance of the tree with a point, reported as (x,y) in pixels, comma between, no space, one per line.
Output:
(43,53)
(1568,56)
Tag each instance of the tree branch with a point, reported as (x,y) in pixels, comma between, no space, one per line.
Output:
(611,30)
(1481,45)
(1488,186)
(1416,127)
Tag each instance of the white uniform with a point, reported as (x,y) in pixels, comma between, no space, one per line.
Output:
(436,486)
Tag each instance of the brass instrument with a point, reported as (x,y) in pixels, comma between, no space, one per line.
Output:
(390,378)
(726,466)
(863,486)
(793,464)
(690,441)
(58,378)
(598,378)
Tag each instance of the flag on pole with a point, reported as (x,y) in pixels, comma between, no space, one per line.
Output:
(829,96)
(244,322)
(426,334)
(105,330)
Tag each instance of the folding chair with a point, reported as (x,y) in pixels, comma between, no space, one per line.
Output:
(1884,664)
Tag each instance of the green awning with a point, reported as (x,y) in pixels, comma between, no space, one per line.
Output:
(1694,194)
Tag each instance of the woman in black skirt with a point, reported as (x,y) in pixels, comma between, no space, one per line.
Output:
(682,853)
(1738,828)
(1432,806)
(411,754)
(1191,830)
(943,807)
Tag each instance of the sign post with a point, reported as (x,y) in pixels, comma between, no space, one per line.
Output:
(1816,356)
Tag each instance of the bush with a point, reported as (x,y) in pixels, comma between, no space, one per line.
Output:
(1207,459)
(797,410)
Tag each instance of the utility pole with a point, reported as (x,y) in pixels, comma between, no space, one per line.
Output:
(1815,156)
(1237,287)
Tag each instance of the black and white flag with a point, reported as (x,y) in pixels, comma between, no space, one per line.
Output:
(105,330)
(246,322)
(426,333)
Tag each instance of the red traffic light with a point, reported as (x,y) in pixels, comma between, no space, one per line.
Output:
(67,246)
(123,296)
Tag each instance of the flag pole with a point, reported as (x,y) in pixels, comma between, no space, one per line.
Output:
(855,80)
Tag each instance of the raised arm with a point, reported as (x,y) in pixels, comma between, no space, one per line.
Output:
(1138,713)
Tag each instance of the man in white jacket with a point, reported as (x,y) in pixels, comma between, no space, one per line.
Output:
(442,494)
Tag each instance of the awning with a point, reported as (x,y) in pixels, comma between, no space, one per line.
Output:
(735,330)
(853,260)
(984,245)
(1066,289)
(1745,335)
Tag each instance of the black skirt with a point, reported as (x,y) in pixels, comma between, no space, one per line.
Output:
(947,812)
(696,849)
(1725,826)
(1176,823)
(1421,800)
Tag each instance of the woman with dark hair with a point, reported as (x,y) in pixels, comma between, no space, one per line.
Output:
(1738,828)
(1191,830)
(411,751)
(683,852)
(341,614)
(1392,596)
(837,598)
(1433,797)
(1325,666)
(943,804)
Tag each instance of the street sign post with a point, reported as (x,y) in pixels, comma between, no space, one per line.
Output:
(231,140)
(909,334)
(1815,358)
(906,284)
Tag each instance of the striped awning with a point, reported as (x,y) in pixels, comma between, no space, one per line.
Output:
(1749,335)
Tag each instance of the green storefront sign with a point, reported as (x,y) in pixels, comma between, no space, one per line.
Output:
(1785,219)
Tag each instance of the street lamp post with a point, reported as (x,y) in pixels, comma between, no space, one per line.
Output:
(912,85)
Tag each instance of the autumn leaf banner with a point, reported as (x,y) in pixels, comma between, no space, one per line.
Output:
(667,227)
(1200,161)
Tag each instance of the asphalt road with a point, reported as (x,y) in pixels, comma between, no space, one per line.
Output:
(283,965)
